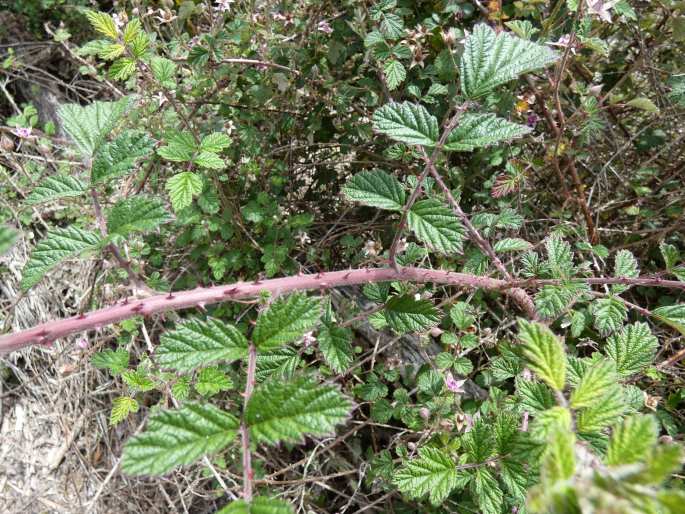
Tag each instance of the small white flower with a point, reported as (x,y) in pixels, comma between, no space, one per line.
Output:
(223,5)
(308,339)
(229,127)
(304,238)
(324,27)
(417,296)
(23,132)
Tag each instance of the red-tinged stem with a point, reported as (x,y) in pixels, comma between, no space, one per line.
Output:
(248,473)
(128,308)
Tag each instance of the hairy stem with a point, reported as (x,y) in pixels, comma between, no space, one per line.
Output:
(248,473)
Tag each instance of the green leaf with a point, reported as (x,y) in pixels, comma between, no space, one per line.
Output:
(259,505)
(376,189)
(335,344)
(197,343)
(673,315)
(609,313)
(406,122)
(534,396)
(115,361)
(89,126)
(136,214)
(670,254)
(177,437)
(209,160)
(661,462)
(602,413)
(122,69)
(625,265)
(286,320)
(598,381)
(492,59)
(138,380)
(406,314)
(461,316)
(643,103)
(55,187)
(559,257)
(437,226)
(551,301)
(512,244)
(487,492)
(211,381)
(280,363)
(544,353)
(286,411)
(180,147)
(8,236)
(392,26)
(632,349)
(59,245)
(183,187)
(432,473)
(103,23)
(481,130)
(558,461)
(632,440)
(121,408)
(394,73)
(215,142)
(181,388)
(119,157)
(164,71)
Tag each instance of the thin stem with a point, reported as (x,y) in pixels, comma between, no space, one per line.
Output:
(248,473)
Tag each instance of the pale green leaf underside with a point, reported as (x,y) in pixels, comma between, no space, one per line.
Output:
(481,130)
(492,59)
(544,353)
(54,188)
(288,411)
(436,226)
(58,245)
(406,314)
(432,473)
(406,122)
(376,189)
(89,126)
(136,214)
(286,320)
(177,437)
(197,343)
(258,505)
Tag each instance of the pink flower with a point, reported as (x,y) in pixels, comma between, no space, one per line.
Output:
(324,27)
(456,386)
(82,342)
(23,132)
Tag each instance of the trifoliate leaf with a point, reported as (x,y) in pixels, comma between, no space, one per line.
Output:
(259,505)
(406,122)
(432,473)
(121,408)
(177,437)
(55,187)
(632,349)
(211,381)
(602,413)
(544,353)
(481,130)
(183,187)
(89,126)
(394,74)
(512,244)
(215,142)
(197,343)
(406,314)
(625,265)
(285,321)
(487,492)
(287,411)
(118,157)
(136,214)
(491,59)
(632,440)
(59,245)
(335,344)
(437,226)
(609,313)
(673,315)
(376,189)
(598,381)
(115,361)
(8,236)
